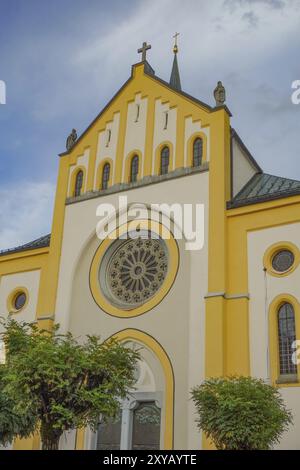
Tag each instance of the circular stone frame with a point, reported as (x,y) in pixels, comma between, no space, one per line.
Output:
(271,252)
(173,262)
(12,297)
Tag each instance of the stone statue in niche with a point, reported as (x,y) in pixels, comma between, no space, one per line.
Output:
(71,139)
(220,94)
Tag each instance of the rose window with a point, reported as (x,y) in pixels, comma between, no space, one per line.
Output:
(135,270)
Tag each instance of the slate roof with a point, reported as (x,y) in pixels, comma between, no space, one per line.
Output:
(175,76)
(263,187)
(41,242)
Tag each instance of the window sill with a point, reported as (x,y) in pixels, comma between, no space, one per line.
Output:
(288,380)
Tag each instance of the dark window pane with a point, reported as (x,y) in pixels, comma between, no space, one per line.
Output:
(105,175)
(283,260)
(164,161)
(78,183)
(109,433)
(20,301)
(134,169)
(197,152)
(146,427)
(286,336)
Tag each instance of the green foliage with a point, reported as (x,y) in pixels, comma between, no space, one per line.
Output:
(241,413)
(55,382)
(14,419)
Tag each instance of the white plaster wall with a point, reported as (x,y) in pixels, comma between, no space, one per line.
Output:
(83,160)
(243,170)
(191,127)
(30,280)
(135,130)
(161,134)
(68,440)
(258,243)
(177,322)
(110,151)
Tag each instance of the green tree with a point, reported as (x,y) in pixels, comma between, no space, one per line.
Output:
(53,383)
(241,413)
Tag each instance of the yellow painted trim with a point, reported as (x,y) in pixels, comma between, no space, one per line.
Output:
(128,161)
(180,136)
(73,180)
(121,142)
(190,145)
(215,306)
(50,273)
(272,250)
(273,335)
(23,263)
(11,300)
(147,167)
(96,291)
(157,166)
(80,435)
(100,173)
(160,353)
(31,443)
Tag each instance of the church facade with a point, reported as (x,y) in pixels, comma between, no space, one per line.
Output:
(230,306)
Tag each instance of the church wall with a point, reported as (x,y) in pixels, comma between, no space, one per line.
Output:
(263,289)
(192,128)
(81,163)
(164,131)
(107,146)
(29,281)
(136,130)
(242,170)
(180,313)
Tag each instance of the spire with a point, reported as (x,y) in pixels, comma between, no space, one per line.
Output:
(175,77)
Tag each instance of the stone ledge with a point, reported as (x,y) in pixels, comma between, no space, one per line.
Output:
(145,181)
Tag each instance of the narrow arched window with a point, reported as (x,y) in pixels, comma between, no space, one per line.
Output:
(105,176)
(134,169)
(286,337)
(197,152)
(164,161)
(78,183)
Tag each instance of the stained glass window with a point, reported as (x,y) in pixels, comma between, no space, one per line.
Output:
(197,152)
(134,169)
(109,433)
(286,336)
(164,161)
(105,175)
(283,260)
(19,300)
(78,183)
(146,427)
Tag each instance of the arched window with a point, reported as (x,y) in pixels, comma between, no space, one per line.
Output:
(134,169)
(105,176)
(286,337)
(78,183)
(164,161)
(197,152)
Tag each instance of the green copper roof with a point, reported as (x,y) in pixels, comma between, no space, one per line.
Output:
(263,187)
(41,242)
(175,77)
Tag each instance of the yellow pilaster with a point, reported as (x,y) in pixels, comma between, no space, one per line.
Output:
(49,275)
(179,160)
(149,137)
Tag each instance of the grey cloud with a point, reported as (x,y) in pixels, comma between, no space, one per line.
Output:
(251,19)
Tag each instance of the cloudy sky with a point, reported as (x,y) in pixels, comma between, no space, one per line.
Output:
(62,60)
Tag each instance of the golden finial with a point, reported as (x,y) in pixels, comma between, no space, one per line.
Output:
(175,48)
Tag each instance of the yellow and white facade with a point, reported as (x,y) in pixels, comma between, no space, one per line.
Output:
(216,313)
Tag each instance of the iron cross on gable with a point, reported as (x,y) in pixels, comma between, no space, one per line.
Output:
(143,50)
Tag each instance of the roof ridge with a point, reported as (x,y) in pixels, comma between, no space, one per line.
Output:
(40,242)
